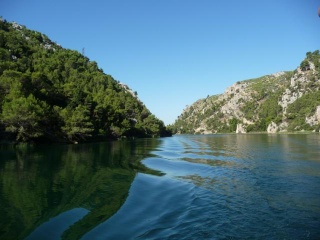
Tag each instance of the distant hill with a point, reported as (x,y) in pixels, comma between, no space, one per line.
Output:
(280,102)
(48,93)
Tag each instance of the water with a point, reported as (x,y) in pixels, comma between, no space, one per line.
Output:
(253,186)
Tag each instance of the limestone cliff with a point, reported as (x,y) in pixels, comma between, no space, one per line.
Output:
(284,101)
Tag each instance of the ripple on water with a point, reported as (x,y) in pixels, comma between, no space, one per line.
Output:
(148,212)
(176,167)
(167,154)
(249,186)
(220,187)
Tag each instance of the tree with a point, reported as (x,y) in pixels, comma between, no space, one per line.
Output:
(60,94)
(305,65)
(233,124)
(77,123)
(23,117)
(152,126)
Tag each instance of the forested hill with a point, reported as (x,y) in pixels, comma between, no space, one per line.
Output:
(280,102)
(48,93)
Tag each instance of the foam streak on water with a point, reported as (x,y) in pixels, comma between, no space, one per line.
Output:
(224,187)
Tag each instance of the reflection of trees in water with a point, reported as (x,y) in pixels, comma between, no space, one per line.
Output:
(41,182)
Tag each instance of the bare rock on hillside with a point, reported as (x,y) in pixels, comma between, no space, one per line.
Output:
(314,119)
(272,128)
(241,128)
(289,99)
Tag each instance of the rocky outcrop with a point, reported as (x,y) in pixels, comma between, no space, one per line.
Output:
(315,118)
(272,128)
(234,98)
(278,74)
(240,128)
(279,102)
(129,90)
(317,114)
(298,86)
(289,97)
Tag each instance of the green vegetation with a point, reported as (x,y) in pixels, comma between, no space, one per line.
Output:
(55,94)
(302,107)
(315,59)
(285,98)
(39,183)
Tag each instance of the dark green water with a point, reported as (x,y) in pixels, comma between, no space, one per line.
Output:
(254,186)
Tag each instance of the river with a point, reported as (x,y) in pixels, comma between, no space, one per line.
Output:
(224,186)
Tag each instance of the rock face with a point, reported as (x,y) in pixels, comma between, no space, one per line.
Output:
(272,128)
(240,128)
(318,113)
(234,96)
(289,99)
(314,119)
(298,86)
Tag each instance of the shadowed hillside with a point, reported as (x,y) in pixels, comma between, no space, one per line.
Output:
(55,94)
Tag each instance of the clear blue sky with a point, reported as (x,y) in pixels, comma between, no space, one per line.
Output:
(174,52)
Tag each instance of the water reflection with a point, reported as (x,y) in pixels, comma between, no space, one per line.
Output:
(255,186)
(68,188)
(250,155)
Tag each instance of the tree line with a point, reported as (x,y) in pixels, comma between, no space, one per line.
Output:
(48,93)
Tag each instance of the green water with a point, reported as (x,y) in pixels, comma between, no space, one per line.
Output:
(87,183)
(250,186)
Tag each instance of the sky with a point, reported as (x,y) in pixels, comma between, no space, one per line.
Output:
(174,52)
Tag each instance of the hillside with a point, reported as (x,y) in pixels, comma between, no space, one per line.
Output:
(48,93)
(280,102)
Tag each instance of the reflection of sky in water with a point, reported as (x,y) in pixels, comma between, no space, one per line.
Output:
(54,228)
(252,178)
(248,186)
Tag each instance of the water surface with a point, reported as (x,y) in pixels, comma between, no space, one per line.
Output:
(250,186)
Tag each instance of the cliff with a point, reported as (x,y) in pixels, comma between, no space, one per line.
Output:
(280,102)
